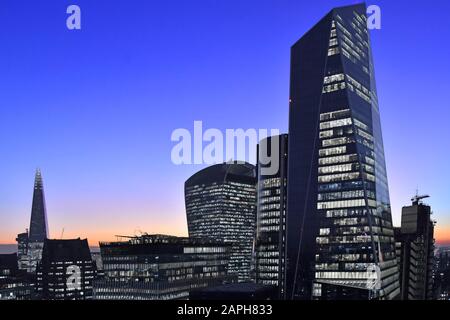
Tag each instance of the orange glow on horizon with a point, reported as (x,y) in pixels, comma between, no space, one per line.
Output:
(441,234)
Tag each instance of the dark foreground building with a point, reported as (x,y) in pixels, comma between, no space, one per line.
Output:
(15,284)
(271,216)
(221,205)
(441,281)
(66,271)
(160,267)
(415,251)
(340,239)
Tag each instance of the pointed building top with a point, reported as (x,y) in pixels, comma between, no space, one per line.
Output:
(38,179)
(38,222)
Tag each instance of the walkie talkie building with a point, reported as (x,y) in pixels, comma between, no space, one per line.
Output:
(221,205)
(340,242)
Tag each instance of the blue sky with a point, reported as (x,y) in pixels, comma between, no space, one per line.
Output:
(95,108)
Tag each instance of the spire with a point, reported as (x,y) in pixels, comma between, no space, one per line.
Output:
(38,223)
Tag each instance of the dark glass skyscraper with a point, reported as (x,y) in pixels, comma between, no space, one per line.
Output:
(271,216)
(221,205)
(340,241)
(38,223)
(31,243)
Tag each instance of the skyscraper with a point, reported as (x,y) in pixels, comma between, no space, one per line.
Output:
(340,241)
(415,251)
(271,216)
(31,243)
(66,270)
(38,222)
(221,205)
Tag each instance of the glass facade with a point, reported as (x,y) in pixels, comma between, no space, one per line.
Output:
(66,271)
(38,222)
(160,267)
(221,205)
(271,217)
(341,233)
(15,284)
(31,243)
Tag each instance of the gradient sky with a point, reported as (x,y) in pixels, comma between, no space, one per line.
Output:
(95,109)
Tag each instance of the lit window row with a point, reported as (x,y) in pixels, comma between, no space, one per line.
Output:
(336,168)
(342,28)
(339,177)
(342,275)
(365,135)
(333,33)
(357,84)
(337,141)
(340,195)
(340,186)
(361,125)
(349,221)
(333,51)
(334,114)
(333,42)
(272,182)
(335,123)
(341,204)
(332,151)
(350,49)
(334,78)
(360,94)
(345,213)
(338,159)
(333,87)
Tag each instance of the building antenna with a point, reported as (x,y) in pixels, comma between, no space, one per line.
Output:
(417,199)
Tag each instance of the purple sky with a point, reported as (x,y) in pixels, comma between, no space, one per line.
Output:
(95,108)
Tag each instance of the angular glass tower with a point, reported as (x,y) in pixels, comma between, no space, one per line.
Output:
(38,222)
(340,242)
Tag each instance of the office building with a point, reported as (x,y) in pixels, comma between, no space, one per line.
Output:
(271,213)
(415,251)
(340,239)
(441,281)
(31,243)
(160,267)
(15,284)
(66,270)
(221,205)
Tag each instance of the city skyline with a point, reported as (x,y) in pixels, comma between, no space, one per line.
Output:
(125,192)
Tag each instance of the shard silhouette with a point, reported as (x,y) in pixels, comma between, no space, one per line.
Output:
(38,222)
